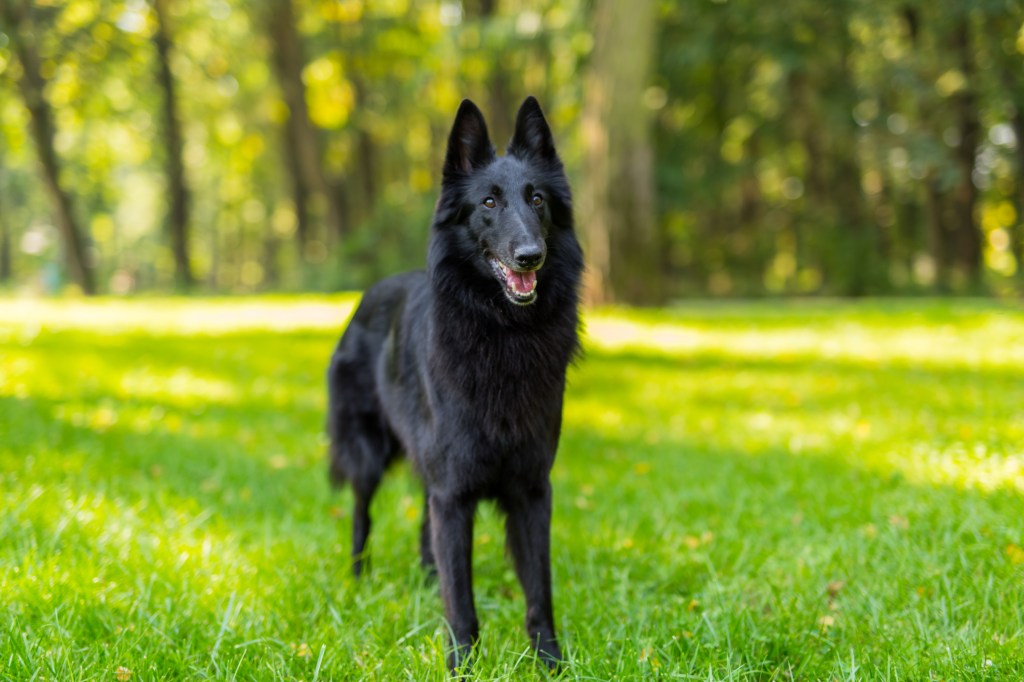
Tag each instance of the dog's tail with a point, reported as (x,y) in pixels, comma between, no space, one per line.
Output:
(361,444)
(335,459)
(335,472)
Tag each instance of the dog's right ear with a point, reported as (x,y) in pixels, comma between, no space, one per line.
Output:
(469,147)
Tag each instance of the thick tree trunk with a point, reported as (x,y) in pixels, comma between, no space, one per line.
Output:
(301,136)
(499,97)
(1017,229)
(618,200)
(849,200)
(18,14)
(935,203)
(806,126)
(177,190)
(966,231)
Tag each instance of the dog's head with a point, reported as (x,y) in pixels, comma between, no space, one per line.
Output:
(501,211)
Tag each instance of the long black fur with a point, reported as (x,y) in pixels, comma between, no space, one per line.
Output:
(447,367)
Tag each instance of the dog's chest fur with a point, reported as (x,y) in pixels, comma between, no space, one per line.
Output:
(512,382)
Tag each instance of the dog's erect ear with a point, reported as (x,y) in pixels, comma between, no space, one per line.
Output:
(532,138)
(469,147)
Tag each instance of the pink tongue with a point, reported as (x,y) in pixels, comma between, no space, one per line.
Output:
(522,282)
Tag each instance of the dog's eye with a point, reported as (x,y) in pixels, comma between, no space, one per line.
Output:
(538,200)
(489,202)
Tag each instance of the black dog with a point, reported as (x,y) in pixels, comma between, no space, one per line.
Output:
(462,367)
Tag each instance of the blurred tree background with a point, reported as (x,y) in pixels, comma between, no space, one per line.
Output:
(718,147)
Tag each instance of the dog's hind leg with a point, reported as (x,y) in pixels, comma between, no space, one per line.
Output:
(376,449)
(363,495)
(426,550)
(362,447)
(362,443)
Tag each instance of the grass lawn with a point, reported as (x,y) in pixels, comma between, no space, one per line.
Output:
(757,491)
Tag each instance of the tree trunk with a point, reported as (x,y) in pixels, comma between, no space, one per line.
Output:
(860,243)
(966,232)
(215,237)
(5,234)
(500,120)
(929,112)
(938,233)
(177,190)
(367,151)
(18,15)
(806,126)
(1000,28)
(1017,229)
(300,189)
(301,136)
(271,271)
(618,199)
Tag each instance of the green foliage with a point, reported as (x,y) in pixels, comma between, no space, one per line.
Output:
(800,150)
(802,146)
(386,244)
(743,491)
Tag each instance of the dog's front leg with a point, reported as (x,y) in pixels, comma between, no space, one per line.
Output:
(451,526)
(528,528)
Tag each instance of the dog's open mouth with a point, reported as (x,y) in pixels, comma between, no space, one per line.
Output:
(520,285)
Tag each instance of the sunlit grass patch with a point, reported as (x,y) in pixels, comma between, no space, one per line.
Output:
(743,491)
(22,318)
(924,333)
(930,391)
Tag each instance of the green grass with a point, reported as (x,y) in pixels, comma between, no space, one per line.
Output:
(756,491)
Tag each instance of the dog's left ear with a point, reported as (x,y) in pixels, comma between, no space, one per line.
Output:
(532,138)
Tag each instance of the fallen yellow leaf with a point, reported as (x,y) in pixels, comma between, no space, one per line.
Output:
(898,521)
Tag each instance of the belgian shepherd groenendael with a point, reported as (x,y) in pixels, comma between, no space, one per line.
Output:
(462,367)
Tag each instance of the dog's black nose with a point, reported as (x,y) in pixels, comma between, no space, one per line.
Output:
(528,257)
